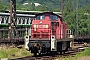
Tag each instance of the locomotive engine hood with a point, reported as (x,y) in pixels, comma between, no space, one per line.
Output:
(41,28)
(41,24)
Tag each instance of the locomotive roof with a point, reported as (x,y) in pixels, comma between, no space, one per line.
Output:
(49,13)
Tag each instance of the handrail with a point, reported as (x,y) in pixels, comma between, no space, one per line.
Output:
(65,34)
(40,33)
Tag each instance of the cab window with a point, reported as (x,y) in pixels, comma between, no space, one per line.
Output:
(53,17)
(40,17)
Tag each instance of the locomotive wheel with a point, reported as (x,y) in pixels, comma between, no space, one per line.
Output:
(34,51)
(40,54)
(65,50)
(60,52)
(35,54)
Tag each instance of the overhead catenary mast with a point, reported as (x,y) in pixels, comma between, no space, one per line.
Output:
(77,19)
(13,19)
(62,9)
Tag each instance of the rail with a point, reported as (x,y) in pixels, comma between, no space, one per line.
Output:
(77,49)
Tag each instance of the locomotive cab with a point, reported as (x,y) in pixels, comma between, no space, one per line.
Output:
(48,33)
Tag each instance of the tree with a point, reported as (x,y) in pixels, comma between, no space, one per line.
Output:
(69,6)
(2,7)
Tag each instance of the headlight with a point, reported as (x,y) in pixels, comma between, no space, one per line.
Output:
(35,26)
(45,26)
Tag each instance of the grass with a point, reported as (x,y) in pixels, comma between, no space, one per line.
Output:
(86,52)
(14,53)
(3,54)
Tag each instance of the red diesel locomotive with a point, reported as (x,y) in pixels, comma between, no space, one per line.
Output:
(49,33)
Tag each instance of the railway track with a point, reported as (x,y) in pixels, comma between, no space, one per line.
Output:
(72,52)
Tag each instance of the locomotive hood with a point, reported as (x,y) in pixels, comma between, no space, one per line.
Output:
(42,23)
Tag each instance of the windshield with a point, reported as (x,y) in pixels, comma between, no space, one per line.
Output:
(53,17)
(40,17)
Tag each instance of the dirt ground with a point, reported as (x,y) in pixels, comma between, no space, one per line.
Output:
(84,58)
(75,58)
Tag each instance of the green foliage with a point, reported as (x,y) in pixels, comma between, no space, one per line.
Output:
(52,5)
(1,7)
(13,53)
(3,54)
(83,19)
(68,6)
(86,52)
